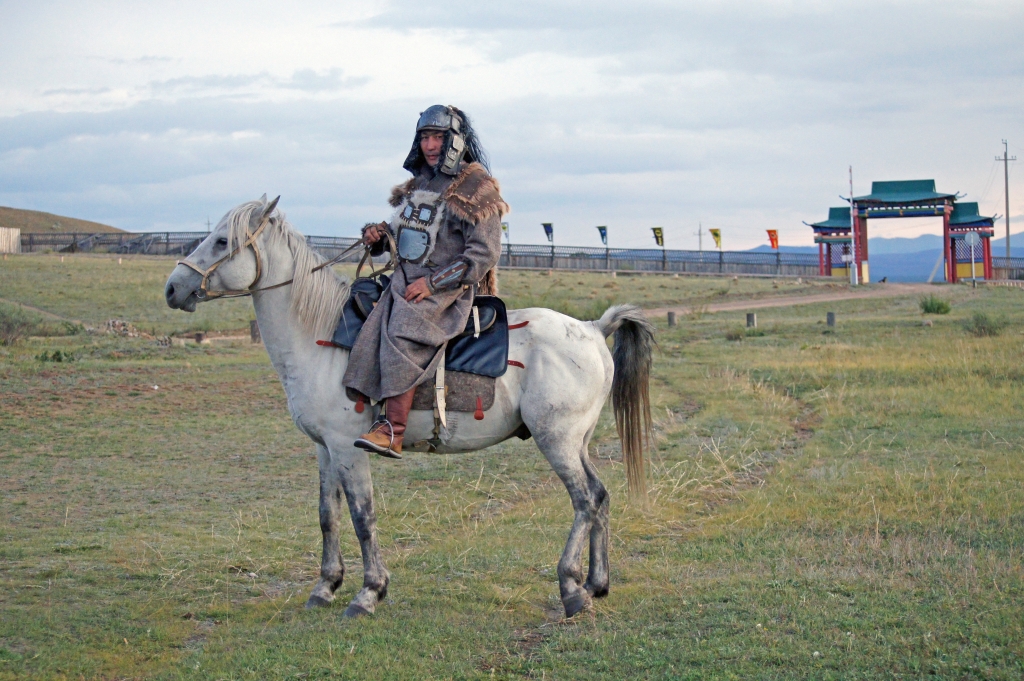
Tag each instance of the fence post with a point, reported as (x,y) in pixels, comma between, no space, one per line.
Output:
(607,258)
(552,255)
(778,261)
(167,243)
(671,318)
(751,320)
(720,254)
(830,319)
(31,243)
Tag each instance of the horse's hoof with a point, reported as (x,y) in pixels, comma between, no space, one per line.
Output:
(575,604)
(597,591)
(354,610)
(317,602)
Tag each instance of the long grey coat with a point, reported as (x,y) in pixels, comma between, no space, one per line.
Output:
(401,343)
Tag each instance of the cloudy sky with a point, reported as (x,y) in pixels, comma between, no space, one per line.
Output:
(742,116)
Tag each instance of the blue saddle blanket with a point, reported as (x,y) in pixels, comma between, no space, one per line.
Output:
(486,355)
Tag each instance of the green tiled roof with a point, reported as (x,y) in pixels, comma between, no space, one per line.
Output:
(903,192)
(838,218)
(967,214)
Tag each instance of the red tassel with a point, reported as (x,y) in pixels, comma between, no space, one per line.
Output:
(519,325)
(513,363)
(479,413)
(360,405)
(327,344)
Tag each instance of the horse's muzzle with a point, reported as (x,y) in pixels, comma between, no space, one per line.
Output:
(180,292)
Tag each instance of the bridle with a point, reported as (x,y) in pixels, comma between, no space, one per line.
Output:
(204,293)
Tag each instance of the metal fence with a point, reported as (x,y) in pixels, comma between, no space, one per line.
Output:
(1007,268)
(659,260)
(512,255)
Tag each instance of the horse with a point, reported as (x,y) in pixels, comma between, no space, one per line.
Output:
(562,374)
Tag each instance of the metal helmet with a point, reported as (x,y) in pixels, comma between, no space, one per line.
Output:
(459,141)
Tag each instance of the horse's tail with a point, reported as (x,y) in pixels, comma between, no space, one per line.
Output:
(631,399)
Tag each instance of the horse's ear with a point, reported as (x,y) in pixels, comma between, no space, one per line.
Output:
(270,206)
(263,199)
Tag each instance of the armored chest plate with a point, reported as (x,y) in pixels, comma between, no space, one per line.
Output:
(416,222)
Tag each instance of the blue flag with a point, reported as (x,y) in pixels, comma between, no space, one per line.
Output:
(549,231)
(604,234)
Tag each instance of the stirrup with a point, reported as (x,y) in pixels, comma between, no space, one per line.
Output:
(369,446)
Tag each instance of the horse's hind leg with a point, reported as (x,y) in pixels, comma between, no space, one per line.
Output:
(597,575)
(354,471)
(332,567)
(563,453)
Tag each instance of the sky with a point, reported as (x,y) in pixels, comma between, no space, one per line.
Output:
(740,116)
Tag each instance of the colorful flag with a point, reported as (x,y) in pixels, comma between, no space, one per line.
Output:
(773,238)
(659,236)
(549,231)
(716,234)
(504,227)
(603,231)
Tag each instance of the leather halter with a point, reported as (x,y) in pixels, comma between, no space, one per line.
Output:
(203,293)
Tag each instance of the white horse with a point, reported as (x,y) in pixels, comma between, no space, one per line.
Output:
(566,375)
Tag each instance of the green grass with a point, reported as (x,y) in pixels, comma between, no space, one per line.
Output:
(932,304)
(845,506)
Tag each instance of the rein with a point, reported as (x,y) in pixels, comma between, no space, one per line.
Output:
(204,293)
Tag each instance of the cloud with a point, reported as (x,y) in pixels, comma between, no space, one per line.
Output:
(743,116)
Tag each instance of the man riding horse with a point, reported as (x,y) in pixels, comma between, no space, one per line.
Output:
(447,229)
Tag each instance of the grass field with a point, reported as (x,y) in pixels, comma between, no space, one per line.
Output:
(843,504)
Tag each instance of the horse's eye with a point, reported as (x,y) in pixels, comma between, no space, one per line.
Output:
(222,242)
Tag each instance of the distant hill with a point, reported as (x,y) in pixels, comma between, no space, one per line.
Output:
(34,221)
(905,260)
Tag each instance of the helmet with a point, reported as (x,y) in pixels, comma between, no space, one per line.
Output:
(460,142)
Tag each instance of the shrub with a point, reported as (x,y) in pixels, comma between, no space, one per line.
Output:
(932,304)
(15,324)
(980,324)
(56,356)
(735,334)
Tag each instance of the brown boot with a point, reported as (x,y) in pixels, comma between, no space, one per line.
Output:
(386,435)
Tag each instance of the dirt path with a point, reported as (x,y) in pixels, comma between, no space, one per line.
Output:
(48,315)
(875,291)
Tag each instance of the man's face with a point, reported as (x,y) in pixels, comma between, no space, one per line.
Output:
(431,142)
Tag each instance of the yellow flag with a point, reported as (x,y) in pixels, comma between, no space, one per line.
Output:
(716,234)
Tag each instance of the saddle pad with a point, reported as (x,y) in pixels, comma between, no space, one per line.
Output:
(463,391)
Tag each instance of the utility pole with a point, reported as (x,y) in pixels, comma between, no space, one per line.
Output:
(700,238)
(1006,187)
(208,229)
(853,236)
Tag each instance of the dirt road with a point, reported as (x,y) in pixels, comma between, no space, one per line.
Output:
(874,291)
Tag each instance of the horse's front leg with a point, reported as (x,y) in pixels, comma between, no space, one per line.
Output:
(332,567)
(354,471)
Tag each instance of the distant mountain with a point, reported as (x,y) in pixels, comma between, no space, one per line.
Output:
(35,222)
(905,260)
(898,245)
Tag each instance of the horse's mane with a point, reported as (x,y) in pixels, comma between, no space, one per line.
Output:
(317,297)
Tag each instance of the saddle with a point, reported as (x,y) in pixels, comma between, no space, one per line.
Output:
(472,361)
(481,349)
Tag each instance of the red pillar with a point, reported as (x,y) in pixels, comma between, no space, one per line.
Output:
(987,255)
(821,259)
(947,245)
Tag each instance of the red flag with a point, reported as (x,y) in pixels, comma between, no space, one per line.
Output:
(773,238)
